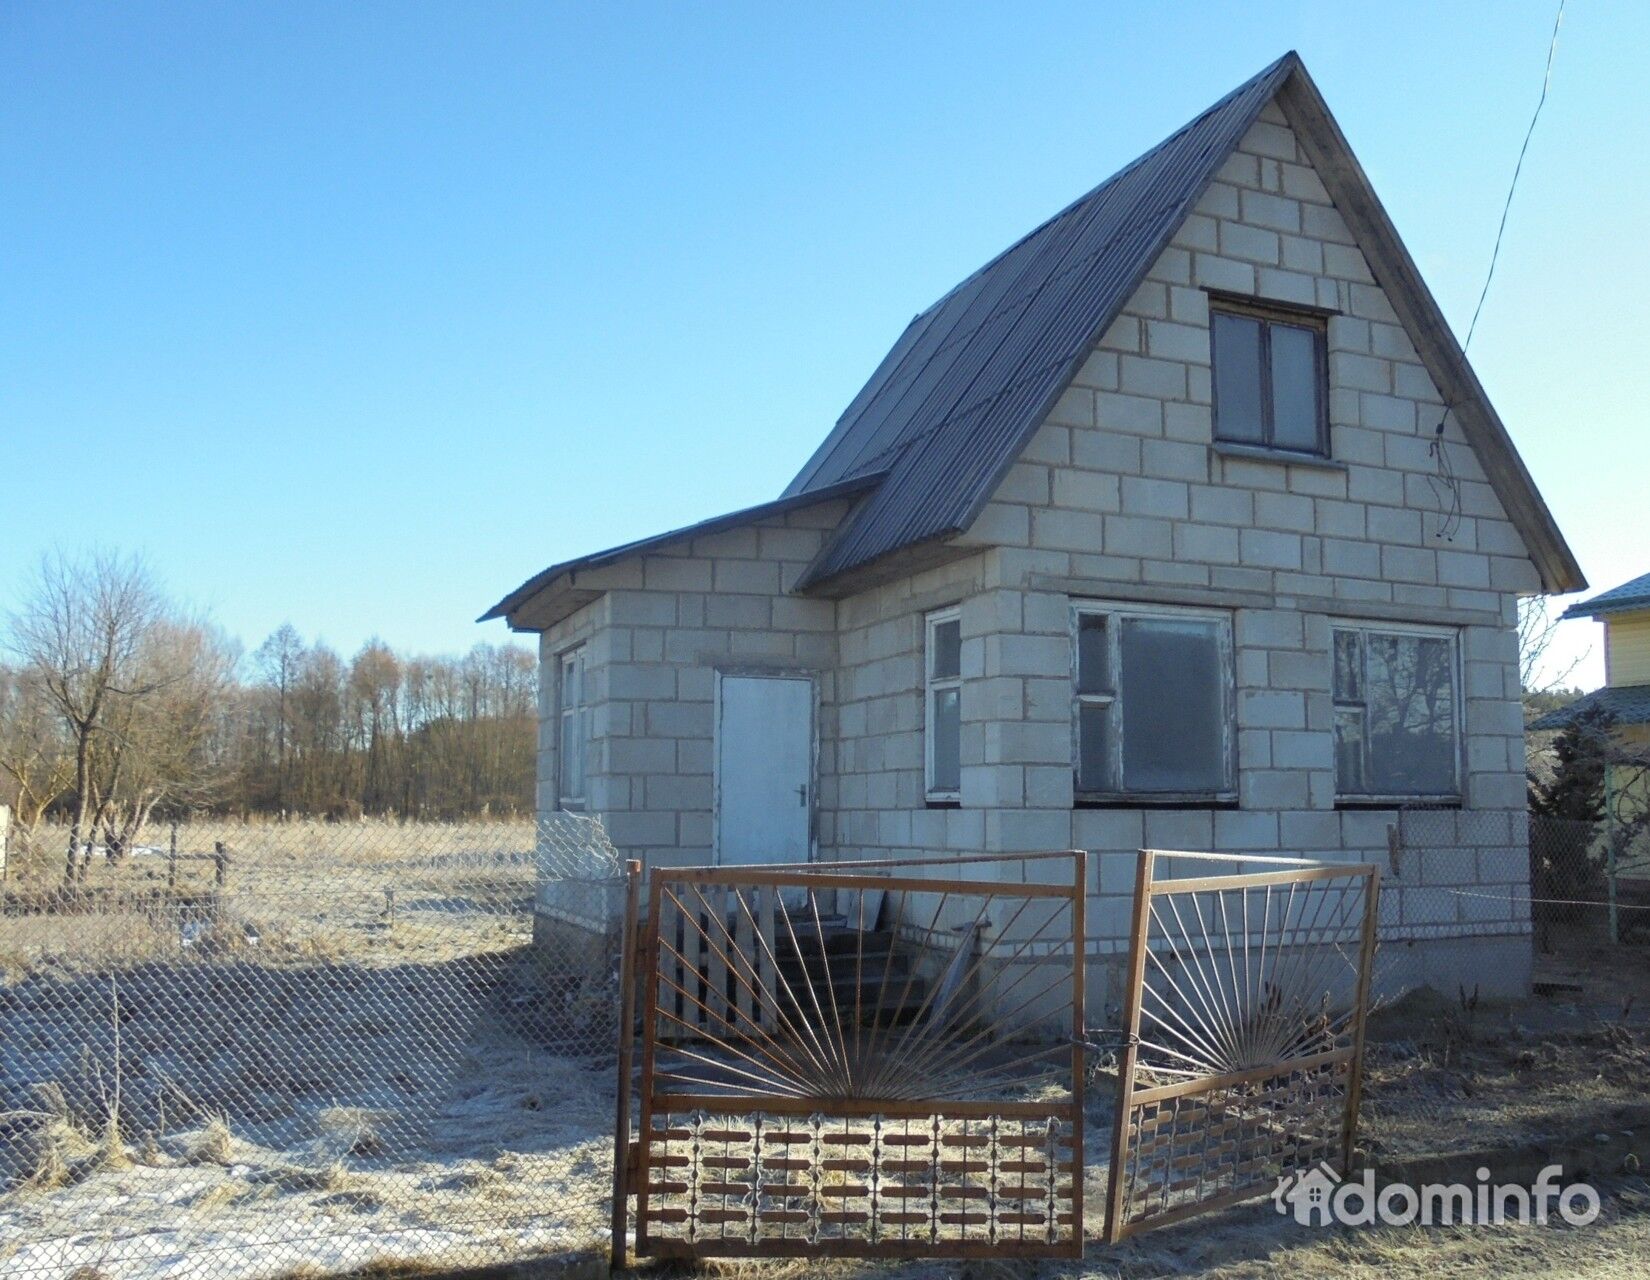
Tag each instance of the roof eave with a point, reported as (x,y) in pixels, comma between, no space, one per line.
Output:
(511,605)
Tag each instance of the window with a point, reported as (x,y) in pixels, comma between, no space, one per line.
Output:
(573,741)
(1154,703)
(1395,713)
(1270,378)
(943,749)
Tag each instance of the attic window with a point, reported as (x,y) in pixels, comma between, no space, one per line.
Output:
(1271,381)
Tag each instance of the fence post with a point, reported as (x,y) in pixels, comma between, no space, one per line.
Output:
(220,864)
(1610,852)
(172,859)
(627,1037)
(5,829)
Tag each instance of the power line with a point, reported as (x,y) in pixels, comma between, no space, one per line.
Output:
(1495,254)
(1445,483)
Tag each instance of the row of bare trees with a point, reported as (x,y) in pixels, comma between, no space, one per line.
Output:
(117,703)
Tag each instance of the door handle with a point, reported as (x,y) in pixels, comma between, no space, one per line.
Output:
(802,795)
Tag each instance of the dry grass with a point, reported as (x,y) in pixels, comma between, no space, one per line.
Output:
(213,1144)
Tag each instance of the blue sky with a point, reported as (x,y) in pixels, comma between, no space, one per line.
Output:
(357,315)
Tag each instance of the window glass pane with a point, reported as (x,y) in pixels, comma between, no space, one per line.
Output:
(1092,731)
(1237,378)
(1173,706)
(1349,667)
(572,757)
(946,727)
(945,654)
(1294,387)
(1349,751)
(1092,675)
(1411,716)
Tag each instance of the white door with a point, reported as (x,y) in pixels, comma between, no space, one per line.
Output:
(764,769)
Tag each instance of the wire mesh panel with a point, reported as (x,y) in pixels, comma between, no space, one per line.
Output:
(1245,1011)
(307,1049)
(863,1059)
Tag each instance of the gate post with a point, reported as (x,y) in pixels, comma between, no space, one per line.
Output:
(1131,1043)
(627,1036)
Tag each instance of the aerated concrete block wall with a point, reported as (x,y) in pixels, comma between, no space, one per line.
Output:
(1124,496)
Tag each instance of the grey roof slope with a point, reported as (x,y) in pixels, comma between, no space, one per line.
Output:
(1629,704)
(732,519)
(956,400)
(1629,595)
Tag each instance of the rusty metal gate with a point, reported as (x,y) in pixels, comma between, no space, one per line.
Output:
(1244,1023)
(861,1059)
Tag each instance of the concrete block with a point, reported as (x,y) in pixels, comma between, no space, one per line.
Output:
(1084,491)
(1138,536)
(1166,499)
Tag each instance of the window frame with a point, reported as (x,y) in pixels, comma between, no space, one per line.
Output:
(930,684)
(1116,795)
(579,713)
(1364,629)
(1268,314)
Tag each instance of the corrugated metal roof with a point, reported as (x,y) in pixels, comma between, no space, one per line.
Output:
(1629,704)
(956,400)
(790,502)
(1629,595)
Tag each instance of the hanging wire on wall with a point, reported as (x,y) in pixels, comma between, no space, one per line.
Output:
(1446,485)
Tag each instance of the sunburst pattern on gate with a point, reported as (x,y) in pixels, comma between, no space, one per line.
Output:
(863,1059)
(1245,1013)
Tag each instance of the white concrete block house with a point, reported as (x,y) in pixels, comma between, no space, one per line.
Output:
(1141,535)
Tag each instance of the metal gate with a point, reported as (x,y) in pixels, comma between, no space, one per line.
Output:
(862,1059)
(1244,1017)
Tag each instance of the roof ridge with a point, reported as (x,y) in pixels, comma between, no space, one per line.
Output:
(1095,190)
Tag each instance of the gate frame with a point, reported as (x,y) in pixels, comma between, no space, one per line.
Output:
(1129,1098)
(631,1156)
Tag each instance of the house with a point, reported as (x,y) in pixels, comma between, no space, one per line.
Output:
(1625,612)
(1155,530)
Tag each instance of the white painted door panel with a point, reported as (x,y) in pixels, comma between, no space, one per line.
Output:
(764,769)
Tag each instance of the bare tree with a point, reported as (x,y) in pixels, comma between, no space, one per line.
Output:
(36,769)
(279,659)
(1537,629)
(81,633)
(166,748)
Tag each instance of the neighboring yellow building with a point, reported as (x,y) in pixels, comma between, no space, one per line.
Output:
(1625,612)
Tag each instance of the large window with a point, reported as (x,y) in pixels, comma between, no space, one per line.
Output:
(573,711)
(943,748)
(1154,704)
(1270,378)
(1396,712)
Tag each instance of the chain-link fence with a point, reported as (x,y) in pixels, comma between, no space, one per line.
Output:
(305,1049)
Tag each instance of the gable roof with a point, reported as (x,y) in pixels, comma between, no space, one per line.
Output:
(957,399)
(1628,596)
(955,402)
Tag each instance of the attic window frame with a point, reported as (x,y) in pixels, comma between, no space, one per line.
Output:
(1269,313)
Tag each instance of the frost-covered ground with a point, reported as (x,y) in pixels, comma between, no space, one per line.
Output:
(353,1055)
(515,1162)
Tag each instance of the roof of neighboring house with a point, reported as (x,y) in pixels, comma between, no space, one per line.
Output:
(956,400)
(1628,596)
(733,519)
(1629,704)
